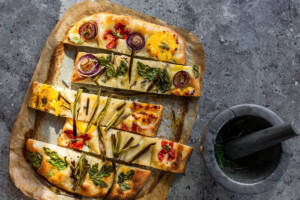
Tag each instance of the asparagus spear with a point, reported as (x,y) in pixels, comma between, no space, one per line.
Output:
(74,112)
(96,108)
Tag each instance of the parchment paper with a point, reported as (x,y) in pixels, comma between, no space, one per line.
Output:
(54,65)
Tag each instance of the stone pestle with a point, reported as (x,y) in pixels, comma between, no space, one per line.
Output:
(259,140)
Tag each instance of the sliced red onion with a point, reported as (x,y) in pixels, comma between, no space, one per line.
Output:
(88,30)
(136,41)
(88,66)
(181,79)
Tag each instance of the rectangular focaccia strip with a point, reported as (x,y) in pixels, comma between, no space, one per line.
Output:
(160,154)
(136,117)
(142,79)
(128,180)
(110,32)
(57,166)
(121,145)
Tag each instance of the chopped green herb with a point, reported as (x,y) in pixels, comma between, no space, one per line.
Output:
(76,40)
(164,83)
(96,175)
(122,68)
(124,186)
(115,72)
(123,178)
(196,71)
(35,159)
(105,61)
(161,77)
(146,71)
(54,160)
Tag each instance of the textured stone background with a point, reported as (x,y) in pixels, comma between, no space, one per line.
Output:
(253,56)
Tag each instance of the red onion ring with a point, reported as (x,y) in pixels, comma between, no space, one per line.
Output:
(93,70)
(181,79)
(136,41)
(88,30)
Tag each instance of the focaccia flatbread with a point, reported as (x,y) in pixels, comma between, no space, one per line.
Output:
(141,118)
(109,31)
(146,75)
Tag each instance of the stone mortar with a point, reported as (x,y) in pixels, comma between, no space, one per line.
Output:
(214,127)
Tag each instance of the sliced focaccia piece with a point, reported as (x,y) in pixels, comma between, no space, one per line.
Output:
(152,152)
(115,74)
(128,182)
(146,75)
(170,156)
(87,141)
(121,34)
(141,118)
(127,147)
(70,170)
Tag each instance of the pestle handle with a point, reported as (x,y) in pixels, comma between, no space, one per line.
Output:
(258,141)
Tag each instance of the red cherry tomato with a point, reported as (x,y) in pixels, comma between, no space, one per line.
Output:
(167,149)
(161,155)
(76,145)
(124,127)
(112,44)
(134,127)
(69,134)
(171,155)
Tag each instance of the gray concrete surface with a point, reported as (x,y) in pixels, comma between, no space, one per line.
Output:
(253,56)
